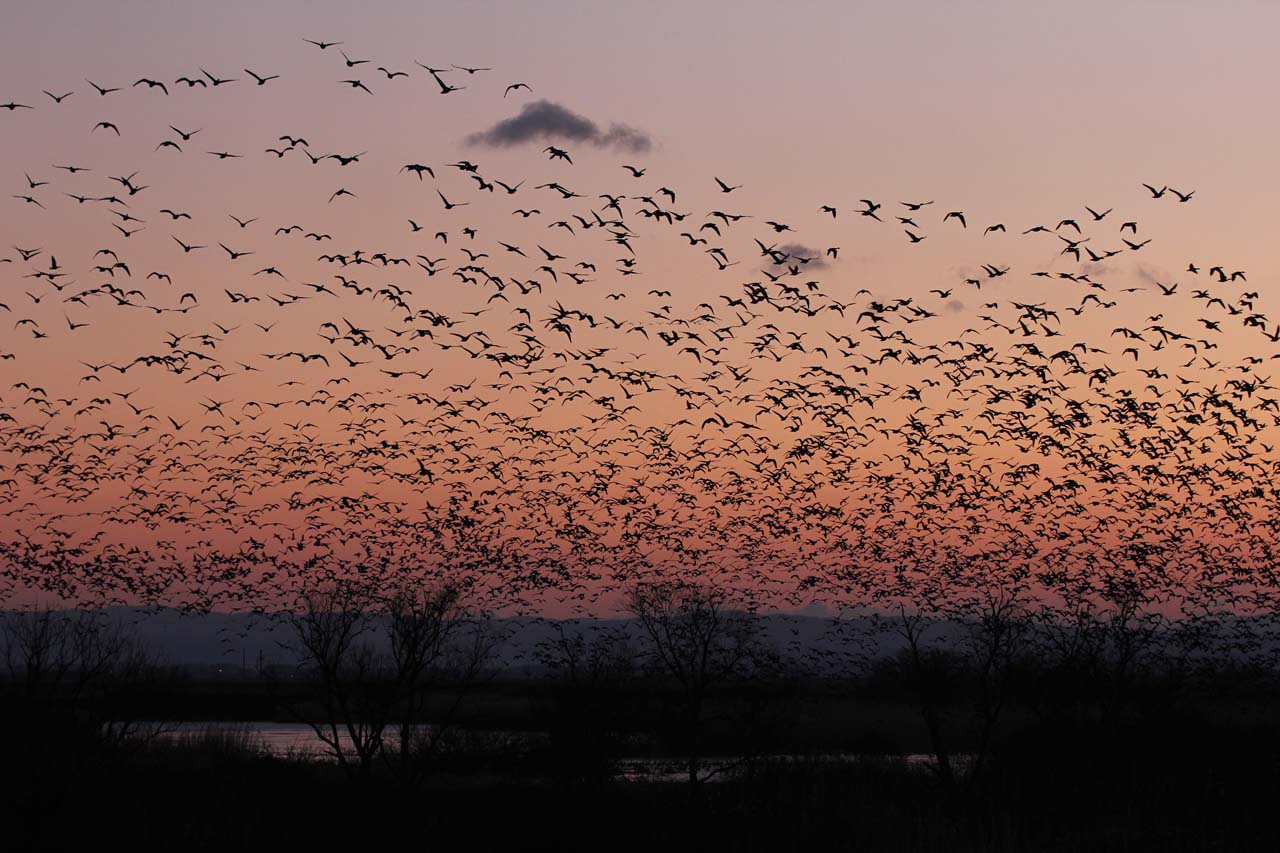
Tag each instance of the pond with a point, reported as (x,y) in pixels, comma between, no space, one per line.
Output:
(298,741)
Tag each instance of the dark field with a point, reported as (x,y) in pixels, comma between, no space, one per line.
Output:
(1187,763)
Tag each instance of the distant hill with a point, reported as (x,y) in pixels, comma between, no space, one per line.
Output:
(214,640)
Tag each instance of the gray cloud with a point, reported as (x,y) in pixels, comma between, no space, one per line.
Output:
(799,250)
(543,121)
(1150,275)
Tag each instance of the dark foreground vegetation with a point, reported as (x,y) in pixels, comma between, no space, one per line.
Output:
(1179,783)
(769,755)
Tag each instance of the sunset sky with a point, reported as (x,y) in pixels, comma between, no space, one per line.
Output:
(537,476)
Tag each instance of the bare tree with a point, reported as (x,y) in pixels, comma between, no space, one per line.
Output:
(927,670)
(995,636)
(1103,634)
(328,628)
(697,638)
(71,662)
(589,665)
(378,659)
(68,674)
(436,641)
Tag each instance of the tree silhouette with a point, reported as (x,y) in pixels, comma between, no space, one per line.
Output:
(695,636)
(68,677)
(377,659)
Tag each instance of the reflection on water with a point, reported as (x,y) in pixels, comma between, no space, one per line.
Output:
(719,768)
(298,741)
(280,740)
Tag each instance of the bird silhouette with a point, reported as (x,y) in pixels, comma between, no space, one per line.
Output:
(438,399)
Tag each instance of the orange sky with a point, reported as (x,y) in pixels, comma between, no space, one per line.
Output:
(1012,116)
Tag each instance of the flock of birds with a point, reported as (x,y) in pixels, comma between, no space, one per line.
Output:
(584,423)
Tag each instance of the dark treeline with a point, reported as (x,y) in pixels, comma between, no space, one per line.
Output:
(994,737)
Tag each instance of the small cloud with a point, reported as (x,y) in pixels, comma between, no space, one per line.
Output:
(817,259)
(543,121)
(1149,275)
(626,138)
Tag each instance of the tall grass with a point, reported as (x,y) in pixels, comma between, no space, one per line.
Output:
(216,741)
